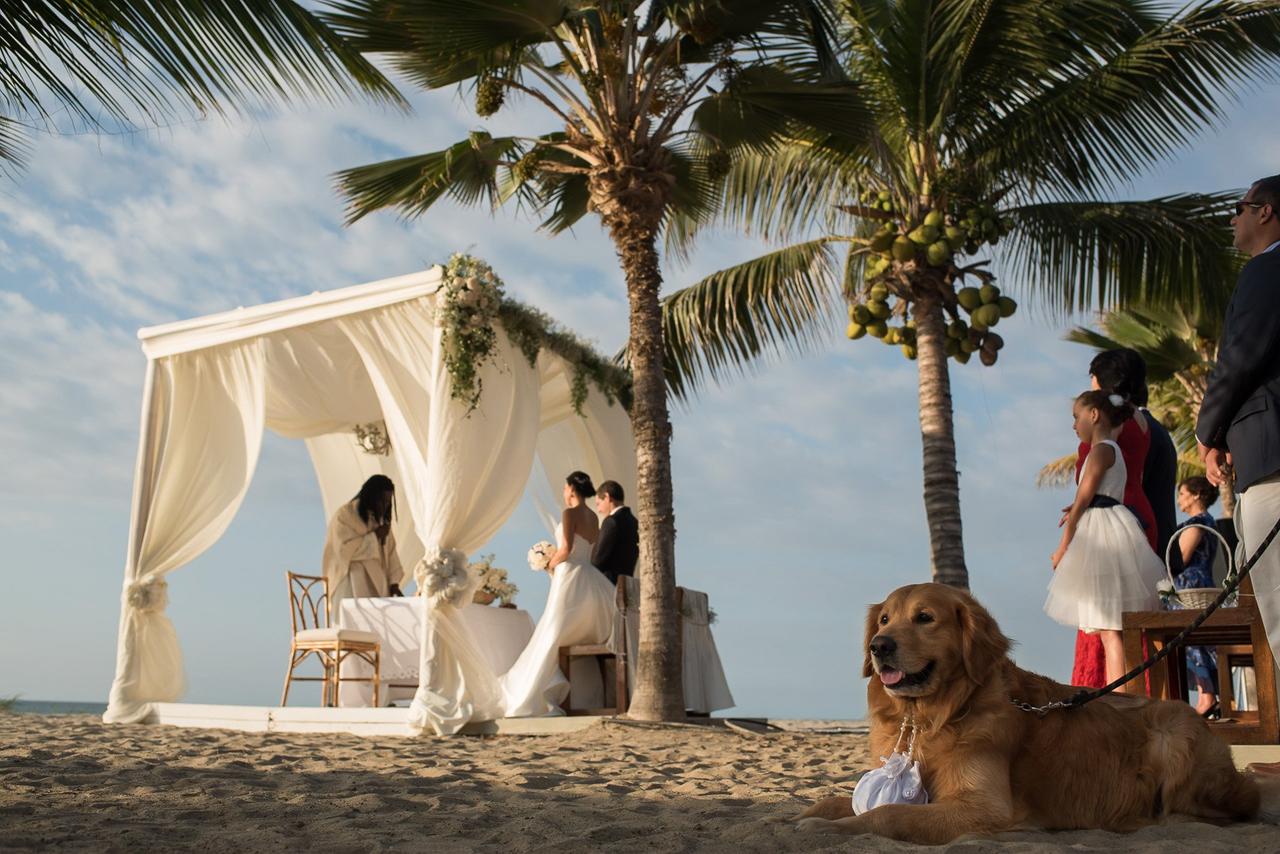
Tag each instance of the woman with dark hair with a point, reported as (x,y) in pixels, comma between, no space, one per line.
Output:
(580,610)
(1197,550)
(360,551)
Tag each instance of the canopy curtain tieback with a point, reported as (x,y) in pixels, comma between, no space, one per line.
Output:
(150,595)
(444,577)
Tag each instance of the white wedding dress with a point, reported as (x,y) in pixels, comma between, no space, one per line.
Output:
(580,610)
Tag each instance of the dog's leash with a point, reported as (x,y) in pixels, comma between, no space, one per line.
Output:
(1088,695)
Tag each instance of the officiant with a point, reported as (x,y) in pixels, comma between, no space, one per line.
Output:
(360,557)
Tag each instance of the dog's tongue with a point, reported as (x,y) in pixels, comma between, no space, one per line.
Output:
(890,677)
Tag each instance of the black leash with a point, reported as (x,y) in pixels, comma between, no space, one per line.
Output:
(1088,695)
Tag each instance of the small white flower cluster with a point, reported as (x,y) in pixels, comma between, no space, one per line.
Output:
(1166,591)
(540,556)
(150,594)
(493,580)
(444,577)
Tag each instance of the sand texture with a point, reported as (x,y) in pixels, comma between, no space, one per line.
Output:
(72,783)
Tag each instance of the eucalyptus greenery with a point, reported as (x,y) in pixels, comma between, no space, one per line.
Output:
(475,301)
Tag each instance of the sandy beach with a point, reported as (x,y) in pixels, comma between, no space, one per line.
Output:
(72,783)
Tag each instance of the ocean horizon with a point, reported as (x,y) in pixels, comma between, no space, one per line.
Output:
(57,707)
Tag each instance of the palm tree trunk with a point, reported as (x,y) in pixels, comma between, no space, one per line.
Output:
(1227,492)
(659,688)
(937,435)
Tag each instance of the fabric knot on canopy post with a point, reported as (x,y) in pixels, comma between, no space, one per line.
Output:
(316,368)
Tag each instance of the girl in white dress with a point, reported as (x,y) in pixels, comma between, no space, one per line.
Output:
(1104,565)
(580,610)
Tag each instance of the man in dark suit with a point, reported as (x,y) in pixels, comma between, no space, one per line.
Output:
(1239,424)
(618,547)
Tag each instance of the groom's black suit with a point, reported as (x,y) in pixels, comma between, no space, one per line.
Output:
(618,547)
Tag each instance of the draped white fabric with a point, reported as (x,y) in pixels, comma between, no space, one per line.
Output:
(201,436)
(312,368)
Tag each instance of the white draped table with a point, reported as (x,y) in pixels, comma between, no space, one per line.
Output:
(501,634)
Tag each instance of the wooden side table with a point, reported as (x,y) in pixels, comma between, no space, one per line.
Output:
(1239,627)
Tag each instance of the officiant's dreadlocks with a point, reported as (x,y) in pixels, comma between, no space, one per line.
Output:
(374,488)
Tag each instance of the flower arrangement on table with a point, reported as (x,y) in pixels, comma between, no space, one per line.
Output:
(540,556)
(493,583)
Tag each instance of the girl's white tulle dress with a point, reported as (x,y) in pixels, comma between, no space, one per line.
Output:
(1109,567)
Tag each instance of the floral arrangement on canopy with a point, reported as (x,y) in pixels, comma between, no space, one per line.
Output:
(473,300)
(493,582)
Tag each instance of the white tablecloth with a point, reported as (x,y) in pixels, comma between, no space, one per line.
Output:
(502,634)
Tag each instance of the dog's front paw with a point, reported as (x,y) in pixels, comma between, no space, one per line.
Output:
(780,818)
(814,825)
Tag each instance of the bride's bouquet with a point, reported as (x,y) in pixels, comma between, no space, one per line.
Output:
(540,556)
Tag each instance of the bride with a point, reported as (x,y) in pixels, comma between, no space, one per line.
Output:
(580,610)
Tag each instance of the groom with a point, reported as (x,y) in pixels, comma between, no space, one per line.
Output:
(618,546)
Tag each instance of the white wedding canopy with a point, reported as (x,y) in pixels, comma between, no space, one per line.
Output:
(313,368)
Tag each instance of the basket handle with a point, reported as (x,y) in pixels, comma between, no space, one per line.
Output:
(1168,549)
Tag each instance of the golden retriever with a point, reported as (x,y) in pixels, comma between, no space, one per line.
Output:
(1118,763)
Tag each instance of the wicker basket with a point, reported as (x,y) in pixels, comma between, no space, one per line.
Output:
(1198,597)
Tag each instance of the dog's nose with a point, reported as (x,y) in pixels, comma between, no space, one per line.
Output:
(882,646)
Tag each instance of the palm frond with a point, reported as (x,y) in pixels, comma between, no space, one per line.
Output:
(1107,111)
(721,325)
(142,59)
(1078,255)
(466,171)
(1059,473)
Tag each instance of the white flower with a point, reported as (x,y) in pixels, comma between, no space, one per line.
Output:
(444,577)
(149,594)
(1164,587)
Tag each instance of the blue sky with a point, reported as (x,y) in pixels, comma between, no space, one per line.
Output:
(798,498)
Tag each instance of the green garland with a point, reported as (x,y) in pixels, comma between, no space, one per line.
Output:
(473,298)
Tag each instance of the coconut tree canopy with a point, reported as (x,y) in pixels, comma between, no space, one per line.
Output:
(1002,130)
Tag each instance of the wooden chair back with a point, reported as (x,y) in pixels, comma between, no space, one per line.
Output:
(308,601)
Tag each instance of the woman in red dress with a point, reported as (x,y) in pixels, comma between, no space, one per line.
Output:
(1109,371)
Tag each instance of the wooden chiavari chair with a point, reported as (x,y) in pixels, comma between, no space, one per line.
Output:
(312,635)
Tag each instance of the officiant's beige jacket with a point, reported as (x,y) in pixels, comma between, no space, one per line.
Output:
(352,550)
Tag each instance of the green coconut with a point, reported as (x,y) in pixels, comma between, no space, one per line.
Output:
(909,351)
(877,329)
(989,314)
(969,298)
(957,329)
(962,357)
(860,314)
(903,249)
(933,218)
(882,241)
(878,292)
(993,341)
(987,357)
(989,293)
(938,254)
(952,346)
(893,335)
(1007,306)
(855,331)
(924,235)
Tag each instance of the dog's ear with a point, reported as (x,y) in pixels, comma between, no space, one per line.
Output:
(983,644)
(873,626)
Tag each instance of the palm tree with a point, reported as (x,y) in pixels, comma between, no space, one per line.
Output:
(642,97)
(1180,348)
(1005,122)
(96,64)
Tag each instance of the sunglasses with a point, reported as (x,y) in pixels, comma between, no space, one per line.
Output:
(1240,206)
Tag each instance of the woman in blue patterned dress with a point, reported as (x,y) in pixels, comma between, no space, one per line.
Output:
(1198,547)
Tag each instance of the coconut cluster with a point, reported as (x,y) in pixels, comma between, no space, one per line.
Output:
(985,307)
(934,242)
